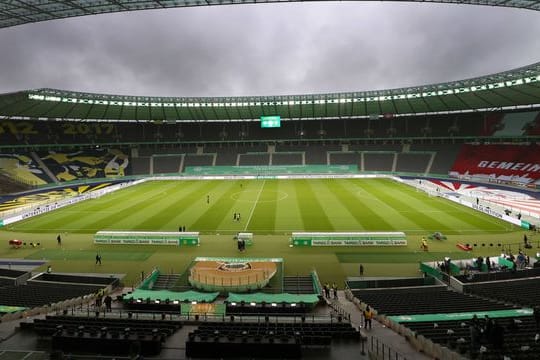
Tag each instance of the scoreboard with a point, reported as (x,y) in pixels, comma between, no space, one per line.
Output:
(271,121)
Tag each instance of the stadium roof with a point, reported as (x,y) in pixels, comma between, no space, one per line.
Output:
(510,90)
(17,12)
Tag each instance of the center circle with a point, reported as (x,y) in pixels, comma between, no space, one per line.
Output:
(256,194)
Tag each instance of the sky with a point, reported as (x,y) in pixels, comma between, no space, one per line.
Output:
(268,49)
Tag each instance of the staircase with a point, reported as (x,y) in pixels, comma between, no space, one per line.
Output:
(165,282)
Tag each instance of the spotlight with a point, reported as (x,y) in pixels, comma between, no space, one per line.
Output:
(193,303)
(139,301)
(157,301)
(233,304)
(175,302)
(253,304)
(274,304)
(293,305)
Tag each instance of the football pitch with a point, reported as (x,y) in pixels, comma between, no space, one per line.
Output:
(271,209)
(266,207)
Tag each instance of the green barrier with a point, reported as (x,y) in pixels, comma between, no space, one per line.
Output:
(348,239)
(428,270)
(461,316)
(273,298)
(270,170)
(525,224)
(149,282)
(164,295)
(504,262)
(11,309)
(147,238)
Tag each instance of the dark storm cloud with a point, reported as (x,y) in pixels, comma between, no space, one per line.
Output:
(268,49)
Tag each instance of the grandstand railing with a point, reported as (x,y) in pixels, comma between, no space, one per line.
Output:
(378,350)
(90,311)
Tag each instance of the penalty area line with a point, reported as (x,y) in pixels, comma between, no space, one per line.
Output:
(254,205)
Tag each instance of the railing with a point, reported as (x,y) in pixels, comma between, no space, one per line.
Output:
(90,311)
(378,350)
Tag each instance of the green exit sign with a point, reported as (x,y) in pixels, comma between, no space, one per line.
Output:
(271,121)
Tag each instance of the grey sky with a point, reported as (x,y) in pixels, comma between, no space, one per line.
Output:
(269,49)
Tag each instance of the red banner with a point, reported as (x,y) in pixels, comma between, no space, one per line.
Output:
(513,163)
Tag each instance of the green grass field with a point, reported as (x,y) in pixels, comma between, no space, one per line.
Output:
(271,209)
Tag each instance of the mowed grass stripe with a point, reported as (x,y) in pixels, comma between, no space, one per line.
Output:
(414,209)
(460,217)
(242,201)
(218,209)
(406,216)
(90,215)
(363,209)
(340,210)
(127,212)
(264,214)
(311,211)
(176,202)
(287,209)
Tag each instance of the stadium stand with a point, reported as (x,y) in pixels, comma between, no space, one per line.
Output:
(379,161)
(445,156)
(254,159)
(387,283)
(344,158)
(267,340)
(111,336)
(423,300)
(515,124)
(9,186)
(506,337)
(84,164)
(22,168)
(140,165)
(199,159)
(167,163)
(413,162)
(287,158)
(525,292)
(533,129)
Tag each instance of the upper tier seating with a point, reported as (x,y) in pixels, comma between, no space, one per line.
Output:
(83,164)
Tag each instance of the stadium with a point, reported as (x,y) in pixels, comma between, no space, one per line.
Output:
(268,226)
